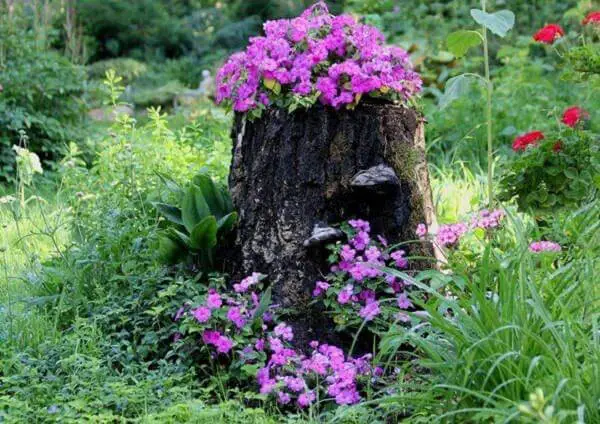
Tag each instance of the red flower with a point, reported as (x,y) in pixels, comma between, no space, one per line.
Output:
(573,116)
(549,34)
(557,146)
(592,18)
(531,138)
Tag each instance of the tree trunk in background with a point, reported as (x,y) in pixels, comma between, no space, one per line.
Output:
(290,172)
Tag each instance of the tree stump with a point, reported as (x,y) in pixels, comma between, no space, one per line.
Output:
(295,175)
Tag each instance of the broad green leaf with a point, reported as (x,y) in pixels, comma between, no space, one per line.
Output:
(204,234)
(170,183)
(272,85)
(455,88)
(172,213)
(168,250)
(498,22)
(460,42)
(212,195)
(227,223)
(194,208)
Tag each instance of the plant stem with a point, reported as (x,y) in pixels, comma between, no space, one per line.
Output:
(489,90)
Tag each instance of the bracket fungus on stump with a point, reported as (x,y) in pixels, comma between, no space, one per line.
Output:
(295,175)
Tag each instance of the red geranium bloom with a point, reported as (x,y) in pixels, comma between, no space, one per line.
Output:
(573,116)
(557,146)
(592,18)
(531,138)
(549,34)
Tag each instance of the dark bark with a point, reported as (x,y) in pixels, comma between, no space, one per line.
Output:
(290,172)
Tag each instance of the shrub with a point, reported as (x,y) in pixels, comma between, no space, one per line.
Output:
(40,95)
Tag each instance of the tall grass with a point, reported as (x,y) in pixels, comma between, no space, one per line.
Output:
(514,324)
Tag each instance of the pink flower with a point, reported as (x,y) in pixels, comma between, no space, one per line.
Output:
(544,246)
(400,260)
(260,345)
(369,311)
(284,331)
(211,337)
(345,294)
(247,282)
(404,302)
(305,399)
(223,344)
(213,300)
(449,235)
(283,398)
(360,225)
(320,288)
(202,314)
(347,253)
(234,314)
(361,240)
(295,384)
(421,231)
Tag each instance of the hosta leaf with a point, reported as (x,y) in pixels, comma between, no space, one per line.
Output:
(227,223)
(212,195)
(194,208)
(499,22)
(204,234)
(169,250)
(460,42)
(172,213)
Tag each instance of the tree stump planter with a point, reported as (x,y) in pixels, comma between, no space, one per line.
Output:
(295,175)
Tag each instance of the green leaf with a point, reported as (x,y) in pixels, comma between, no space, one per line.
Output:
(204,234)
(170,183)
(263,305)
(212,195)
(499,22)
(455,88)
(460,42)
(168,250)
(172,213)
(226,224)
(194,208)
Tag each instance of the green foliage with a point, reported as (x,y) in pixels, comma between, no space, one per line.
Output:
(126,68)
(202,218)
(554,174)
(142,29)
(515,322)
(40,95)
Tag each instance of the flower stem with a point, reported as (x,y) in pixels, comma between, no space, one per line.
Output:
(489,90)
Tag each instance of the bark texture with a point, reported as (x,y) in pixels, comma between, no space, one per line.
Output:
(290,172)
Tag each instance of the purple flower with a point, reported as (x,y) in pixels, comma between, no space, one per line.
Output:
(202,314)
(369,311)
(449,235)
(360,225)
(399,259)
(421,231)
(345,294)
(295,384)
(404,302)
(361,240)
(284,331)
(247,282)
(211,337)
(283,398)
(305,399)
(347,397)
(213,300)
(260,345)
(544,246)
(180,312)
(320,288)
(234,314)
(223,344)
(347,253)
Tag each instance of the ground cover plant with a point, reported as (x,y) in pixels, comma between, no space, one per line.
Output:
(114,304)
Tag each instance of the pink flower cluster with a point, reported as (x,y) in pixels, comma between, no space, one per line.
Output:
(356,280)
(293,377)
(449,235)
(223,315)
(316,54)
(544,246)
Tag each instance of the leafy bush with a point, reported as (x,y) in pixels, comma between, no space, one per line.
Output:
(126,68)
(40,95)
(203,217)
